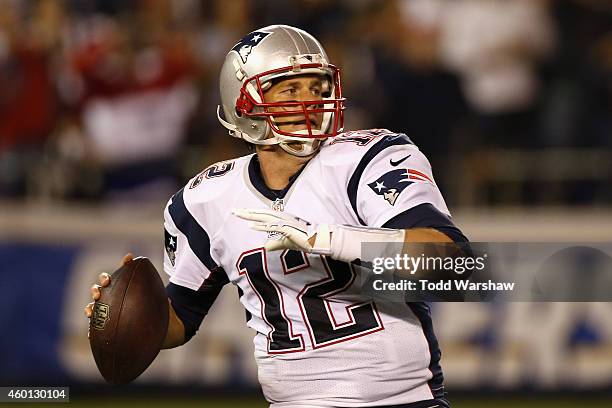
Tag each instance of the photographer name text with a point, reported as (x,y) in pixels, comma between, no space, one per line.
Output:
(442,285)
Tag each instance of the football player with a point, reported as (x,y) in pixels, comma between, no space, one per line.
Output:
(285,226)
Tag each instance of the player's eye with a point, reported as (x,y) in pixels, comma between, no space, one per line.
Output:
(316,91)
(289,91)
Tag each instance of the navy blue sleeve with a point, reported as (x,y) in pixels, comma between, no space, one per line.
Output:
(427,216)
(191,306)
(198,238)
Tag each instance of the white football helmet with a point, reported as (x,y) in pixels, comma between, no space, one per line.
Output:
(268,54)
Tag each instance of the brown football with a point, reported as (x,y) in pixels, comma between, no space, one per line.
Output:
(129,322)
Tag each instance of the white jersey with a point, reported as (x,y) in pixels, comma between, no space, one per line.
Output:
(318,342)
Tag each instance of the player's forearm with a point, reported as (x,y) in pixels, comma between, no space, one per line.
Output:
(176,330)
(345,243)
(424,235)
(435,244)
(411,236)
(389,243)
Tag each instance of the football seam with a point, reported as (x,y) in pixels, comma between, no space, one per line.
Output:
(127,288)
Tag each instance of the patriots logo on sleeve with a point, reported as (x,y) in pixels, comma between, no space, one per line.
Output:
(390,185)
(170,244)
(246,45)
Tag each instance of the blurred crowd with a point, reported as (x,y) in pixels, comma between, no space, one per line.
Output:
(112,99)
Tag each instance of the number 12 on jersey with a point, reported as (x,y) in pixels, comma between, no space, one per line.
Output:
(313,301)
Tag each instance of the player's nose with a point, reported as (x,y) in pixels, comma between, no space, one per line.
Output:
(306,94)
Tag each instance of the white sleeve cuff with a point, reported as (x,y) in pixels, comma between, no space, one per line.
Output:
(346,242)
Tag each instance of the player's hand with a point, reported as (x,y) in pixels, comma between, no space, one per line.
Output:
(103,280)
(286,231)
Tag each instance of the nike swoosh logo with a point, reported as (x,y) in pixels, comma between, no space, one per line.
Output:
(397,163)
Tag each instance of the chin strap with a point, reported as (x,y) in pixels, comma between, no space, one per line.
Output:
(308,146)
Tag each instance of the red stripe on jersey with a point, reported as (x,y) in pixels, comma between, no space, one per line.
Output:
(418,173)
(411,177)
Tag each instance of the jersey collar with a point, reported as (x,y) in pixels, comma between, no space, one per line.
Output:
(257,180)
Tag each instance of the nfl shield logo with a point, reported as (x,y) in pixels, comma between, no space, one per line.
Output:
(100,315)
(278,205)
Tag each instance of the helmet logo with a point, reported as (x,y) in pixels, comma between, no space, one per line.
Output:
(246,45)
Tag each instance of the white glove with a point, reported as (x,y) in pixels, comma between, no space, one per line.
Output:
(341,242)
(286,231)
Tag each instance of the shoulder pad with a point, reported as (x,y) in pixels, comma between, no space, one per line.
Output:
(364,137)
(352,146)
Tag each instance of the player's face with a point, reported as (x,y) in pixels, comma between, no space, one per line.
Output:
(295,89)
